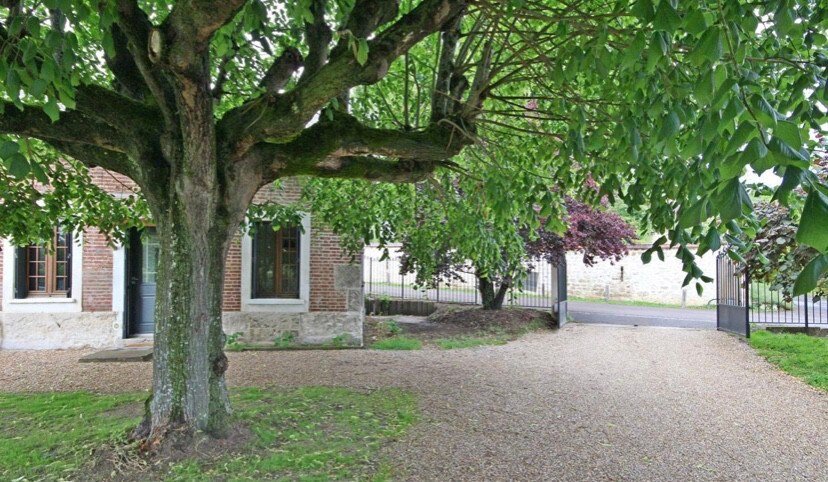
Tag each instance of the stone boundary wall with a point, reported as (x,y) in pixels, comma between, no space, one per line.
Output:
(632,280)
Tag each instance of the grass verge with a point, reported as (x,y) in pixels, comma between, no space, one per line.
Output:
(310,433)
(800,355)
(398,343)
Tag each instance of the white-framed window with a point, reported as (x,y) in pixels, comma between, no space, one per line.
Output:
(38,280)
(275,271)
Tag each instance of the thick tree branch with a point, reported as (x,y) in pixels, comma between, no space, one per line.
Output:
(318,36)
(128,78)
(185,34)
(136,26)
(441,96)
(345,146)
(283,117)
(92,156)
(369,168)
(73,126)
(74,133)
(136,119)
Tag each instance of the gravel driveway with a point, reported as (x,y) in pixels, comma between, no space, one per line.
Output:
(584,403)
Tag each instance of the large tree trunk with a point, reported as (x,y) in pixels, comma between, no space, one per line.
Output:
(189,361)
(492,298)
(195,219)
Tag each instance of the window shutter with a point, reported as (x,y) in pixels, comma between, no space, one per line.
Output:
(69,265)
(254,249)
(20,280)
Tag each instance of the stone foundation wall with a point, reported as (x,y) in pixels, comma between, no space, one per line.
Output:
(313,328)
(51,331)
(45,331)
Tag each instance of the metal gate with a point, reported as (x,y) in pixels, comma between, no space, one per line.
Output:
(559,302)
(732,297)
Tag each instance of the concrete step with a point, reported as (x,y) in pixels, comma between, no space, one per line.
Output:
(118,355)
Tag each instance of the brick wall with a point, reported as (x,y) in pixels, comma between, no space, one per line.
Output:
(112,182)
(325,255)
(97,272)
(232,277)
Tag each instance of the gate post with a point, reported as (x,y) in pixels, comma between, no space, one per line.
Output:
(806,312)
(747,303)
(718,292)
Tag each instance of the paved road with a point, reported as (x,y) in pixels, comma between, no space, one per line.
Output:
(642,315)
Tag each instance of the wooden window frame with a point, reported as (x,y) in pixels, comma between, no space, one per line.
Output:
(50,273)
(278,261)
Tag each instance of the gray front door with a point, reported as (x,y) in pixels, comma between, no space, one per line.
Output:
(143,267)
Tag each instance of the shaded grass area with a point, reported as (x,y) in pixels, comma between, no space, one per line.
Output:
(310,433)
(800,355)
(455,328)
(52,435)
(398,343)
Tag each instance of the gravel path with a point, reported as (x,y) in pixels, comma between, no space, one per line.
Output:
(585,403)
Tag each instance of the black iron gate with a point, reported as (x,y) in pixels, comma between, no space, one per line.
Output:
(732,297)
(559,303)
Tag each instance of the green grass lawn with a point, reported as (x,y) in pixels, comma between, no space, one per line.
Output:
(312,433)
(800,355)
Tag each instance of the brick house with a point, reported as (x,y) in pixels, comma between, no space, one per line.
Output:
(293,283)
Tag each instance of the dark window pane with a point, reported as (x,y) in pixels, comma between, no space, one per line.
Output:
(276,266)
(62,240)
(150,252)
(265,262)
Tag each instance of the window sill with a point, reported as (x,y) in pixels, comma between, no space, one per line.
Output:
(41,300)
(275,301)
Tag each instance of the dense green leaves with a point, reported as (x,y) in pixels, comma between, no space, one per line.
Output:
(813,227)
(666,106)
(810,276)
(709,49)
(731,200)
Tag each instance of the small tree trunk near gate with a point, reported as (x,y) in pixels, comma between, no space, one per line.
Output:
(492,298)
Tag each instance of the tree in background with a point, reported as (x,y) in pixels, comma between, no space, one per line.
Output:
(595,233)
(774,255)
(202,103)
